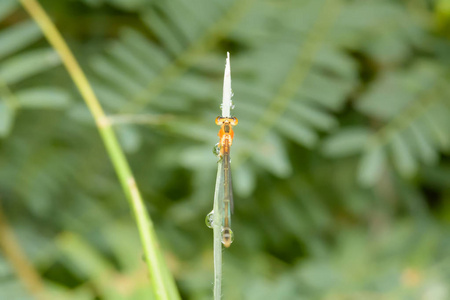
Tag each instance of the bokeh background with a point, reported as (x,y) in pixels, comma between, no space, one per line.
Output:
(341,162)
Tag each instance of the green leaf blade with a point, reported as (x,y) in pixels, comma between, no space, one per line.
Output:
(23,66)
(18,37)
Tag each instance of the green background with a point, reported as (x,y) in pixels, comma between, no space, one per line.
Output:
(340,161)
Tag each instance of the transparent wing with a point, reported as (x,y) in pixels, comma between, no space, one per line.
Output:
(227,234)
(228,190)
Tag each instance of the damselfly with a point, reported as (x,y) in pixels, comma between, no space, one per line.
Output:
(226,135)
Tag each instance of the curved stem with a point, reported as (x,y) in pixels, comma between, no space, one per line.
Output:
(163,284)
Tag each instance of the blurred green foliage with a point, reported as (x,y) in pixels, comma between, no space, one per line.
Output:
(340,160)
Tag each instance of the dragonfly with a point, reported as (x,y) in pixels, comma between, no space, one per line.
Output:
(226,135)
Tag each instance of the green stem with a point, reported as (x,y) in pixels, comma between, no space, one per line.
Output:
(163,285)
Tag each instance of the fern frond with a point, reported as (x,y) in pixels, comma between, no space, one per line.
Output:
(209,28)
(19,65)
(411,107)
(317,79)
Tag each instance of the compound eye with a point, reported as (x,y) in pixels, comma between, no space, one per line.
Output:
(233,121)
(219,120)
